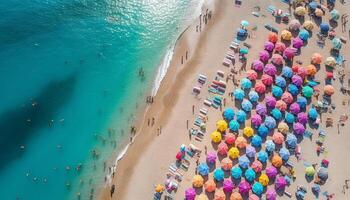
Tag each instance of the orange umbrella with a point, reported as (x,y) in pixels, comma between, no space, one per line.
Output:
(210,185)
(311,70)
(272,37)
(278,138)
(318,12)
(236,196)
(276,161)
(241,142)
(197,181)
(316,58)
(219,195)
(328,90)
(226,164)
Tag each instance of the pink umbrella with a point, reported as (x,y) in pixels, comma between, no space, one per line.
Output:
(269,46)
(281,105)
(294,108)
(211,157)
(302,118)
(252,75)
(299,128)
(228,186)
(287,98)
(264,56)
(256,120)
(244,187)
(278,138)
(261,109)
(260,88)
(280,47)
(302,72)
(257,166)
(267,79)
(270,101)
(277,59)
(230,138)
(289,53)
(281,183)
(253,197)
(222,148)
(190,194)
(270,69)
(271,194)
(297,42)
(271,172)
(297,80)
(257,65)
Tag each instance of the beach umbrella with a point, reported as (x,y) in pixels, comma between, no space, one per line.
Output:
(271,194)
(248,131)
(210,185)
(202,197)
(318,12)
(246,83)
(300,11)
(283,127)
(219,195)
(270,146)
(291,140)
(308,25)
(286,35)
(280,183)
(271,172)
(330,62)
(280,47)
(277,59)
(278,138)
(284,153)
(241,142)
(310,171)
(227,186)
(211,157)
(270,69)
(222,148)
(311,70)
(302,72)
(230,138)
(287,98)
(270,122)
(252,75)
(229,114)
(262,156)
(316,58)
(270,101)
(324,27)
(243,162)
(336,43)
(258,188)
(234,125)
(297,80)
(241,32)
(313,5)
(312,113)
(276,113)
(281,105)
(272,37)
(328,90)
(159,188)
(264,179)
(179,156)
(226,164)
(250,152)
(263,131)
(249,175)
(304,35)
(256,141)
(289,53)
(219,174)
(264,56)
(190,194)
(253,96)
(289,118)
(215,137)
(244,23)
(247,105)
(322,173)
(294,25)
(277,91)
(233,153)
(276,161)
(267,80)
(257,65)
(197,181)
(299,128)
(221,126)
(256,120)
(257,166)
(280,81)
(302,101)
(302,118)
(244,187)
(294,108)
(238,94)
(297,42)
(287,72)
(307,91)
(269,46)
(236,196)
(241,116)
(203,169)
(236,172)
(261,109)
(334,15)
(293,89)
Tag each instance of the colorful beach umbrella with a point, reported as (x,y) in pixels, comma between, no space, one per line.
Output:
(233,153)
(248,131)
(257,166)
(244,187)
(257,65)
(270,146)
(215,137)
(221,126)
(271,172)
(312,113)
(287,98)
(244,23)
(227,186)
(277,91)
(276,113)
(230,138)
(287,72)
(262,156)
(243,162)
(246,84)
(249,175)
(260,88)
(211,157)
(289,53)
(257,188)
(222,148)
(297,42)
(241,32)
(310,171)
(336,43)
(270,122)
(236,172)
(271,194)
(261,109)
(302,72)
(322,173)
(302,118)
(291,140)
(297,80)
(300,11)
(316,58)
(330,62)
(269,46)
(294,25)
(243,50)
(286,35)
(276,161)
(238,94)
(280,183)
(280,47)
(241,142)
(313,5)
(284,153)
(202,197)
(277,59)
(283,128)
(289,118)
(308,25)
(241,116)
(264,56)
(311,70)
(270,101)
(264,179)
(253,96)
(280,82)
(294,108)
(197,181)
(247,105)
(236,196)
(267,80)
(307,91)
(256,141)
(263,131)
(278,138)
(226,164)
(304,35)
(250,152)
(324,27)
(219,195)
(272,37)
(281,105)
(302,101)
(334,15)
(293,89)
(234,125)
(219,174)
(210,185)
(252,75)
(190,194)
(298,128)
(203,169)
(229,114)
(270,69)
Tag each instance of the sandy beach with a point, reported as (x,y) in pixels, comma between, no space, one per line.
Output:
(153,150)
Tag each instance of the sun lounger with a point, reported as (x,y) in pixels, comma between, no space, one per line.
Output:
(204,111)
(196,90)
(173,168)
(207,102)
(226,62)
(184,167)
(271,28)
(157,196)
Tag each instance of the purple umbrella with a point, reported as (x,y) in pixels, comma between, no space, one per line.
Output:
(190,194)
(264,56)
(299,128)
(269,46)
(228,186)
(302,118)
(271,194)
(256,120)
(294,108)
(281,183)
(297,80)
(244,187)
(211,157)
(250,151)
(270,101)
(270,69)
(289,53)
(297,42)
(257,65)
(277,59)
(261,109)
(271,172)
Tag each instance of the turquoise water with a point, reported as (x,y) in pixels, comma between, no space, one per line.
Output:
(69,83)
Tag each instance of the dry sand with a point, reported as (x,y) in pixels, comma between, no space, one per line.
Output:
(149,157)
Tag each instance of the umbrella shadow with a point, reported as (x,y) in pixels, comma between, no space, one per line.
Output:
(309,179)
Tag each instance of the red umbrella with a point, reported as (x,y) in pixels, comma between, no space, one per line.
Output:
(272,37)
(277,59)
(222,148)
(302,72)
(289,53)
(179,156)
(252,75)
(287,98)
(280,47)
(267,79)
(260,88)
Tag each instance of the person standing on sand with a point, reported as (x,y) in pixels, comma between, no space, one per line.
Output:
(112,190)
(192,109)
(152,121)
(186,55)
(187,124)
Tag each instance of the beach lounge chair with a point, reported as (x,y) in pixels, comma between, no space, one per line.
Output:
(271,28)
(226,62)
(203,111)
(207,102)
(157,196)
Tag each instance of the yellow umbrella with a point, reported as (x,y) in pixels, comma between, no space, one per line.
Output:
(330,61)
(318,12)
(202,197)
(310,171)
(233,153)
(216,137)
(308,25)
(283,127)
(264,179)
(159,188)
(300,11)
(197,181)
(286,35)
(221,125)
(248,131)
(241,142)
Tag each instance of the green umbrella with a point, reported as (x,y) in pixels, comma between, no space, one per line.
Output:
(334,15)
(336,43)
(244,23)
(307,91)
(243,50)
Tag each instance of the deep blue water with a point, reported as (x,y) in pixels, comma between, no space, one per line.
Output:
(69,84)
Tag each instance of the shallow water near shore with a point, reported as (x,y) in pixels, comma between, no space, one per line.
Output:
(70,87)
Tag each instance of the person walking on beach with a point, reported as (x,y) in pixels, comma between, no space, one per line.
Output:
(112,190)
(192,109)
(187,124)
(152,121)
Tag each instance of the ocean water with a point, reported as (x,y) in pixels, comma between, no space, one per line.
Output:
(70,87)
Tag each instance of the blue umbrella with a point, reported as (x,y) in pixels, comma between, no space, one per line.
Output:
(284,153)
(247,105)
(249,175)
(280,81)
(289,118)
(270,122)
(239,94)
(203,169)
(250,152)
(236,172)
(246,83)
(304,34)
(270,146)
(262,156)
(234,125)
(241,116)
(291,140)
(253,96)
(302,101)
(312,113)
(263,131)
(256,141)
(243,162)
(219,174)
(293,89)
(229,114)
(324,27)
(277,114)
(322,173)
(241,32)
(258,188)
(313,5)
(287,72)
(336,43)
(277,91)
